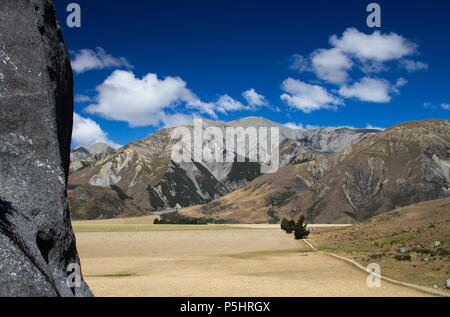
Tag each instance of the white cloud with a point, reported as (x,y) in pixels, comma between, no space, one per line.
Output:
(82,98)
(226,104)
(331,65)
(445,106)
(86,132)
(87,59)
(300,126)
(177,119)
(142,102)
(376,46)
(368,52)
(368,89)
(150,101)
(307,97)
(400,83)
(300,63)
(253,98)
(369,126)
(294,126)
(412,66)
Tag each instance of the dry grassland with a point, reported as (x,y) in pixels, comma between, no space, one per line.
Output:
(188,261)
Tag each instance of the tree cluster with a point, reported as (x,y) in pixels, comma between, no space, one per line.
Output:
(299,228)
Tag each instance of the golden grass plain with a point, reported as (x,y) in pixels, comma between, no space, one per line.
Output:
(131,257)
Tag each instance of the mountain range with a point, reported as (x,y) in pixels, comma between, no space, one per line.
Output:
(86,151)
(142,177)
(402,165)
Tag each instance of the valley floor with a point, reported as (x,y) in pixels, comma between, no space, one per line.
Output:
(132,257)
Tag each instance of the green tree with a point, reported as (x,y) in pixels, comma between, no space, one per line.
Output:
(290,226)
(284,223)
(300,231)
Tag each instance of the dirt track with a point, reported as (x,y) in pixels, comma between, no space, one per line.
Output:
(232,262)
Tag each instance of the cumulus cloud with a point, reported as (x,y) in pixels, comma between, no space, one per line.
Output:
(177,119)
(87,59)
(376,46)
(370,53)
(413,66)
(253,98)
(150,101)
(368,89)
(87,132)
(142,102)
(331,65)
(307,97)
(226,104)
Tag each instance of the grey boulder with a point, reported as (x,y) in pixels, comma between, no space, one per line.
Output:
(37,243)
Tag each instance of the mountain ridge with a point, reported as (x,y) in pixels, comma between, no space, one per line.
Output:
(145,171)
(404,164)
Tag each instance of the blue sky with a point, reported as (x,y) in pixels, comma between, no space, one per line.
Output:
(144,65)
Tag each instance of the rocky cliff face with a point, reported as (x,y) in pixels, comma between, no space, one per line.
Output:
(142,177)
(36,99)
(405,164)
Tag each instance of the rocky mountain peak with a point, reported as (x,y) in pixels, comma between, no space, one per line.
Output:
(86,151)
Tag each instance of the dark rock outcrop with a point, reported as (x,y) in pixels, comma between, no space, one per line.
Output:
(36,100)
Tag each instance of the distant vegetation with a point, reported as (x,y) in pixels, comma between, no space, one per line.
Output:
(177,219)
(299,228)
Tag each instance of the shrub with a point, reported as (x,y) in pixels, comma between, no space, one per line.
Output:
(284,223)
(443,252)
(300,231)
(403,257)
(290,226)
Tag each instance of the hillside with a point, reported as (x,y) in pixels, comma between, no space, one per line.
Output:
(405,164)
(141,176)
(379,239)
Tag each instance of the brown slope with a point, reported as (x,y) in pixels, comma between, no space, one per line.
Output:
(144,172)
(414,228)
(129,170)
(405,164)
